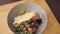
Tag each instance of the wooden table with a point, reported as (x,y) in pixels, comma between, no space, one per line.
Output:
(52,27)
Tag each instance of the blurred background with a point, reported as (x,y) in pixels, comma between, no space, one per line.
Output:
(2,2)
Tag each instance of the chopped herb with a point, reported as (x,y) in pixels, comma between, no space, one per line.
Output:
(22,10)
(19,28)
(25,23)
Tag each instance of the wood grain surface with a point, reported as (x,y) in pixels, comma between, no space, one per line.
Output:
(52,27)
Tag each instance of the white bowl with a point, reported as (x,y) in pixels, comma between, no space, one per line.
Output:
(30,7)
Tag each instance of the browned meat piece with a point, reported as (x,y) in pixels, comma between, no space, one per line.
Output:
(22,26)
(35,18)
(28,25)
(32,30)
(34,24)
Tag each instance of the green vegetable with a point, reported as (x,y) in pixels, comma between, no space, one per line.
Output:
(25,23)
(27,32)
(19,28)
(23,10)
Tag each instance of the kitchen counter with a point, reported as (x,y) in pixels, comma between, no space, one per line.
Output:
(53,26)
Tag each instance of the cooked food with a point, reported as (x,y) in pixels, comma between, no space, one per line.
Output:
(27,23)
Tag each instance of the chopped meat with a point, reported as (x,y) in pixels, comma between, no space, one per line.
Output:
(22,26)
(35,18)
(30,30)
(33,22)
(28,25)
(34,29)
